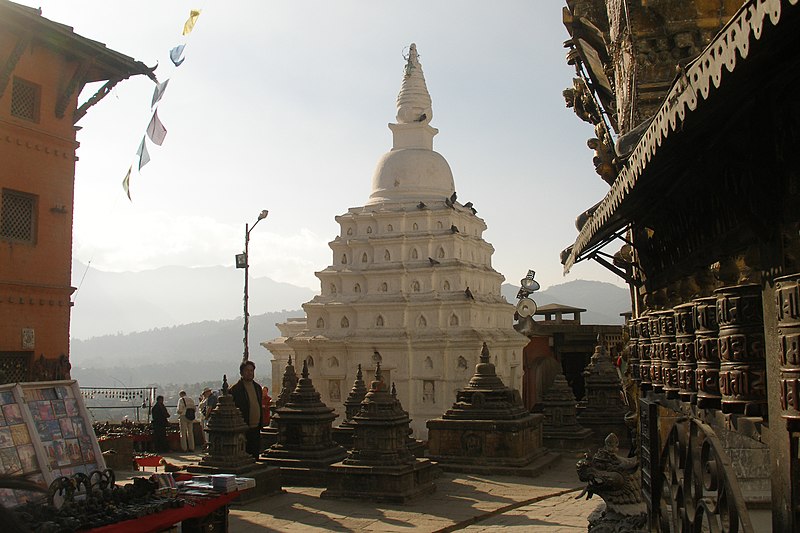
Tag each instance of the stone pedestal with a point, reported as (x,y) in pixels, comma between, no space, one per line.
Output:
(305,447)
(380,466)
(605,411)
(560,429)
(226,449)
(269,434)
(487,428)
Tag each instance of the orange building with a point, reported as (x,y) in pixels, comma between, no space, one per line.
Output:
(44,66)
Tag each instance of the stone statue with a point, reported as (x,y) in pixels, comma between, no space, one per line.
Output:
(616,480)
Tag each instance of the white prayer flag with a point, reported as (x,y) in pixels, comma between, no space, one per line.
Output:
(159,92)
(189,25)
(126,182)
(176,55)
(144,156)
(156,130)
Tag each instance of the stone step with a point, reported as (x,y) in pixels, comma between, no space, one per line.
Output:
(543,462)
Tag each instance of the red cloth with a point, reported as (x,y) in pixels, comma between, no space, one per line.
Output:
(149,461)
(165,519)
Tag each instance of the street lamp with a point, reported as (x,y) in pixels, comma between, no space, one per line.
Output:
(526,307)
(242,261)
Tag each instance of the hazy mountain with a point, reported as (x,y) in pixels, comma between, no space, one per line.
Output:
(124,302)
(603,301)
(189,353)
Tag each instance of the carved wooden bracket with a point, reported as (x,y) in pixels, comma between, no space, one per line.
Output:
(5,76)
(78,80)
(96,97)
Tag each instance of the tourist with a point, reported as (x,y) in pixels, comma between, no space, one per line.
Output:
(247,397)
(186,415)
(160,422)
(208,401)
(266,402)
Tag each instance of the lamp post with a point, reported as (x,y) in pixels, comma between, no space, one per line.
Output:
(242,261)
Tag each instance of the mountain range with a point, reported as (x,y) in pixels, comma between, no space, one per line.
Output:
(185,324)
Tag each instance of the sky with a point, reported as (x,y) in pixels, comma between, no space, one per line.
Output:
(284,106)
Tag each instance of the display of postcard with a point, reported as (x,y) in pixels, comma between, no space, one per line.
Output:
(12,413)
(2,419)
(58,408)
(27,456)
(7,397)
(66,428)
(8,498)
(73,451)
(5,438)
(50,452)
(20,434)
(79,426)
(45,411)
(10,459)
(33,395)
(49,429)
(49,394)
(37,478)
(87,450)
(72,407)
(63,392)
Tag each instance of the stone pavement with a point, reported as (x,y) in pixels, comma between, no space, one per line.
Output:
(462,502)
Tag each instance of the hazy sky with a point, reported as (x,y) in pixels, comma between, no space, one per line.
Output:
(284,106)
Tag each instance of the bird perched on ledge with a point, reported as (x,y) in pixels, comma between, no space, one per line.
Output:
(421,205)
(450,202)
(433,261)
(454,229)
(468,205)
(468,294)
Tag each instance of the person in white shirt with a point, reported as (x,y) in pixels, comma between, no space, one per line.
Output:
(186,406)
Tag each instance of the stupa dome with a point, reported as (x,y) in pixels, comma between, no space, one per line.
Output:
(412,170)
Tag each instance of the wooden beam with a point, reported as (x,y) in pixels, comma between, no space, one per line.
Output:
(78,80)
(96,97)
(5,76)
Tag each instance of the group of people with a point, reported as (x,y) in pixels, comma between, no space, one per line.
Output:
(249,397)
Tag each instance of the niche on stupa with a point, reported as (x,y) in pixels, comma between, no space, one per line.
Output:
(414,253)
(461,363)
(310,361)
(446,285)
(439,224)
(349,231)
(422,323)
(389,228)
(428,391)
(344,323)
(344,259)
(379,321)
(428,363)
(333,362)
(335,390)
(387,256)
(357,288)
(320,323)
(440,253)
(333,288)
(415,227)
(369,229)
(384,287)
(376,357)
(364,258)
(454,320)
(415,286)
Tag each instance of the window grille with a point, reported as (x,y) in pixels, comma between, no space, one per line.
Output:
(25,100)
(18,216)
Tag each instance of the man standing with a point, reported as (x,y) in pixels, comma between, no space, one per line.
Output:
(160,422)
(186,416)
(208,401)
(247,397)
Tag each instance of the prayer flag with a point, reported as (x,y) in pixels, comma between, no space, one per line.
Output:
(159,92)
(126,183)
(176,55)
(144,157)
(189,25)
(156,130)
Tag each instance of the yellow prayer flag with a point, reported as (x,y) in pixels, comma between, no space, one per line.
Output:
(126,183)
(189,26)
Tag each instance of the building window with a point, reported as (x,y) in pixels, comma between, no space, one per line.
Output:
(25,97)
(18,217)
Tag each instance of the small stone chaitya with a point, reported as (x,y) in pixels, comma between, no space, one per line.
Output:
(269,435)
(488,426)
(380,466)
(343,433)
(605,411)
(305,447)
(560,428)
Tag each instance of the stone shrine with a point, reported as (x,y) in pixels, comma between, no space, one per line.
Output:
(560,430)
(487,429)
(226,448)
(604,411)
(305,447)
(343,433)
(380,466)
(411,284)
(269,435)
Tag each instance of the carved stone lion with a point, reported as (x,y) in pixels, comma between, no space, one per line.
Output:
(617,481)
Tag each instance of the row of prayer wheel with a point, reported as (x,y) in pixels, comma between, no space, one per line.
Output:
(709,351)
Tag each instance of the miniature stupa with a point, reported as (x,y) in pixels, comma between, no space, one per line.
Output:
(488,429)
(411,284)
(305,447)
(560,429)
(269,435)
(380,466)
(343,433)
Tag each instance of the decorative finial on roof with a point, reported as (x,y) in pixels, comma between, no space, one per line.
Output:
(414,101)
(304,373)
(485,353)
(359,375)
(224,384)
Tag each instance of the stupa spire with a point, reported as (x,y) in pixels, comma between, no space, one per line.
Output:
(413,101)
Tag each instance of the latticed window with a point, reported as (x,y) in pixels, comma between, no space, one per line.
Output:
(25,100)
(18,216)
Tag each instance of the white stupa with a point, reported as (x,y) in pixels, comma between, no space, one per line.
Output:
(411,284)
